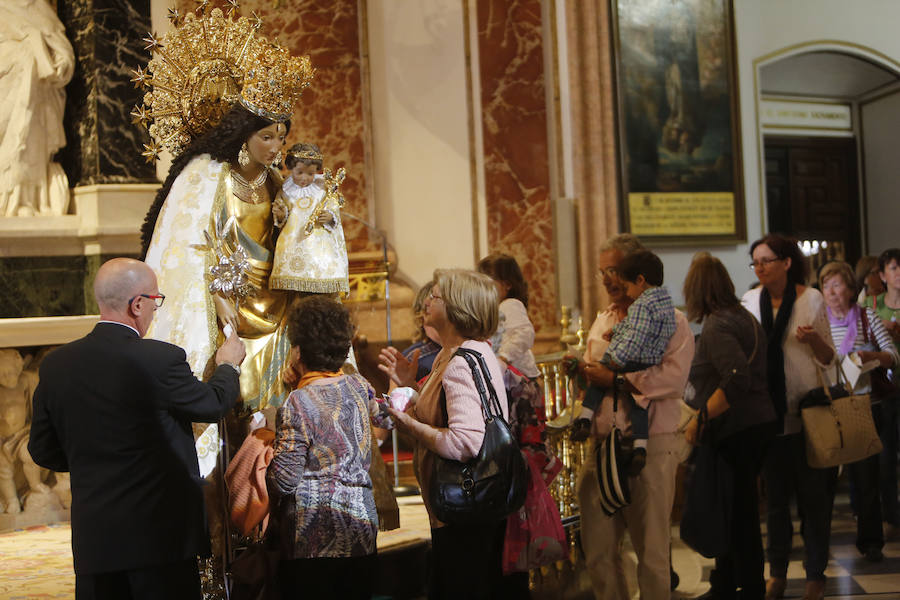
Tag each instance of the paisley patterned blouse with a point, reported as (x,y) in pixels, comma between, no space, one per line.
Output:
(322,501)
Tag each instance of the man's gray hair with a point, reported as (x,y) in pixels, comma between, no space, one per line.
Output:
(626,243)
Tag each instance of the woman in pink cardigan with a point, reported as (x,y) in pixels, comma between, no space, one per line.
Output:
(462,308)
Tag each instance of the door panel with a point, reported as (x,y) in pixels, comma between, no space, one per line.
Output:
(812,194)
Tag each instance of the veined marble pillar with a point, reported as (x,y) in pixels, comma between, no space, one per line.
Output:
(47,264)
(104,146)
(516,146)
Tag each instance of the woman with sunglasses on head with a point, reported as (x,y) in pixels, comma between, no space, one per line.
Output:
(799,345)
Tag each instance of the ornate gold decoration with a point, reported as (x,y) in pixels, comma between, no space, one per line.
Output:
(248,190)
(307,155)
(561,405)
(207,63)
(244,155)
(229,275)
(277,161)
(275,83)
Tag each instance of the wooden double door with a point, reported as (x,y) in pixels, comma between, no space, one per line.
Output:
(812,193)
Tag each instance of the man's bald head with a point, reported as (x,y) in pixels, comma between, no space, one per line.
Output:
(120,279)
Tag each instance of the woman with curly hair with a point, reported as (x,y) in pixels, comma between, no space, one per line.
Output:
(223,184)
(323,509)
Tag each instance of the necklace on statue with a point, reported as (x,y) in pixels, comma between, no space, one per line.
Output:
(249,189)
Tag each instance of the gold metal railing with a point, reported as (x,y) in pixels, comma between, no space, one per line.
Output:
(561,406)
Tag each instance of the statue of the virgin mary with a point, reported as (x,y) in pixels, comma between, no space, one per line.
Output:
(210,233)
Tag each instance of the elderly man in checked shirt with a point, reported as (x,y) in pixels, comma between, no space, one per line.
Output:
(636,343)
(659,389)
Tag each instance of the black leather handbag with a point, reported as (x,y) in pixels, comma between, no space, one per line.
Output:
(709,497)
(493,484)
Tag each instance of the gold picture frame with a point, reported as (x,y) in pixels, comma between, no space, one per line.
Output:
(679,141)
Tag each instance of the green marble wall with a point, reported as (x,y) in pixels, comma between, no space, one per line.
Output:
(48,286)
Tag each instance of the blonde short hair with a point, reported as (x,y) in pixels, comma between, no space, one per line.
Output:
(841,268)
(470,300)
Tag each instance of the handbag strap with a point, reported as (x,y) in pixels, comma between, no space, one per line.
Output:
(490,403)
(487,394)
(865,324)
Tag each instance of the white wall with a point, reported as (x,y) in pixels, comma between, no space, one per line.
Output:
(423,191)
(880,141)
(764,27)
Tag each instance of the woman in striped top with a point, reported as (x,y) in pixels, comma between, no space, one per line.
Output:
(858,329)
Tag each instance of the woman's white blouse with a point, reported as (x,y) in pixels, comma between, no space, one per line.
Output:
(801,369)
(515,337)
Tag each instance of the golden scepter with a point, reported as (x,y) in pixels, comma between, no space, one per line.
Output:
(332,192)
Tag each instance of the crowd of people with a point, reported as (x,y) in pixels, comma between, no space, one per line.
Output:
(115,409)
(127,441)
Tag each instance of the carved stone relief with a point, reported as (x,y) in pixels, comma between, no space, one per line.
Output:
(29,494)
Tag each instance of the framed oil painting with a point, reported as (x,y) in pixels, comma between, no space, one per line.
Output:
(679,132)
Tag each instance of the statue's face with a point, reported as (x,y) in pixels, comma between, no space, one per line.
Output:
(11,364)
(264,144)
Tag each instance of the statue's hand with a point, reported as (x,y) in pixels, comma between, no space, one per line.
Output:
(279,213)
(226,312)
(325,218)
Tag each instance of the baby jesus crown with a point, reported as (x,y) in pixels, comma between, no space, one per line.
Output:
(306,155)
(206,64)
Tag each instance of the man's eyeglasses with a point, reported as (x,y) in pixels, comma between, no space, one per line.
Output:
(763,263)
(158,299)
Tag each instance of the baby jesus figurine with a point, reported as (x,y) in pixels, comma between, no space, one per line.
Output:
(310,255)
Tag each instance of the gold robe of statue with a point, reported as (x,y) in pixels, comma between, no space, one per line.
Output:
(202,200)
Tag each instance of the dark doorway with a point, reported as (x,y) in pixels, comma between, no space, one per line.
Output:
(812,194)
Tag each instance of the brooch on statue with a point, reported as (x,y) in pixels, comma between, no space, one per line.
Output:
(332,192)
(228,276)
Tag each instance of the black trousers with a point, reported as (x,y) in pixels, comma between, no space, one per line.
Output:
(466,562)
(351,577)
(743,566)
(864,479)
(787,473)
(178,580)
(887,413)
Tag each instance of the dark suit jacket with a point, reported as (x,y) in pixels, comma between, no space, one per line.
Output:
(115,411)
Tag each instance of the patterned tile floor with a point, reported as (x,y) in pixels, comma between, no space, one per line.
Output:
(850,576)
(37,563)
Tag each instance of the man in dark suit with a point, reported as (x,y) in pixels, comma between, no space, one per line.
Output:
(115,411)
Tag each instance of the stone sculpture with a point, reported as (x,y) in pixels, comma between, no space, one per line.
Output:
(36,62)
(16,389)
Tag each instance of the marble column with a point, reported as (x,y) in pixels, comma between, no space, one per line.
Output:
(516,146)
(103,144)
(595,168)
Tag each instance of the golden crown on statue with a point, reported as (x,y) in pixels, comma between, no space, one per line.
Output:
(206,64)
